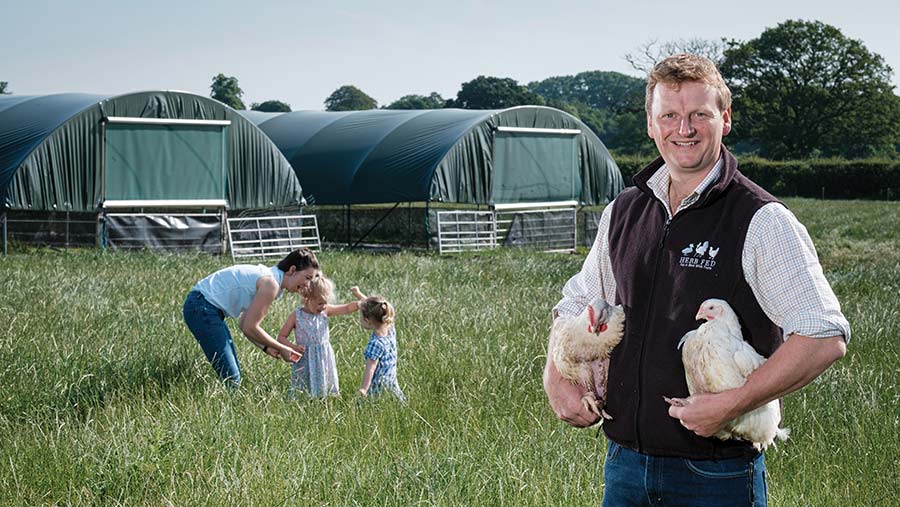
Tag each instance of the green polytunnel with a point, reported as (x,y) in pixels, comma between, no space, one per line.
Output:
(81,152)
(525,154)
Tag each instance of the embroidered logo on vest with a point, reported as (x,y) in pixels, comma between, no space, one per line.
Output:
(699,256)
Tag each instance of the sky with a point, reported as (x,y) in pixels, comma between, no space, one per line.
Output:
(299,52)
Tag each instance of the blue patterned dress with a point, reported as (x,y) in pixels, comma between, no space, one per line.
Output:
(315,372)
(384,350)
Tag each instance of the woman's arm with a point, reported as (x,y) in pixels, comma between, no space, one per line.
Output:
(368,374)
(251,319)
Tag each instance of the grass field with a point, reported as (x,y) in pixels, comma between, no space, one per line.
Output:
(106,399)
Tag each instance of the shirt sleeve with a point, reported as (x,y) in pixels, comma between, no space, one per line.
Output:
(595,278)
(374,350)
(782,268)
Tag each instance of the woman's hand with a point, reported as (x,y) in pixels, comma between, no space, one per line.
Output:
(290,355)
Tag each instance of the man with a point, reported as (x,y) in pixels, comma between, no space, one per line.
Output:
(692,228)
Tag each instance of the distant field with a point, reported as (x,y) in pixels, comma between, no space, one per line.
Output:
(106,399)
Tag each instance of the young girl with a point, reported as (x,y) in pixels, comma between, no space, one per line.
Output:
(315,372)
(380,374)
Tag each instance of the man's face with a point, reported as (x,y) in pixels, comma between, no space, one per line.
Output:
(687,126)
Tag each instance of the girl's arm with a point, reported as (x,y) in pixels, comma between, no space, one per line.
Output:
(332,310)
(283,335)
(344,309)
(368,373)
(251,319)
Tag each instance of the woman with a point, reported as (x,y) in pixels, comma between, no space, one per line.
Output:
(246,291)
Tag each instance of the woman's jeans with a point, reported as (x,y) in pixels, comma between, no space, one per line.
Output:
(207,324)
(635,479)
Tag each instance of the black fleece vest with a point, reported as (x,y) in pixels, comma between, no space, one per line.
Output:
(663,270)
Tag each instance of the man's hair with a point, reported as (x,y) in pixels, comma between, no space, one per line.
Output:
(686,67)
(300,259)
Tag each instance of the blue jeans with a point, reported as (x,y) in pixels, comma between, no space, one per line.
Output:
(207,324)
(635,479)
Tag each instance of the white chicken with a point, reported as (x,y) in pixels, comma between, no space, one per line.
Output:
(716,358)
(581,348)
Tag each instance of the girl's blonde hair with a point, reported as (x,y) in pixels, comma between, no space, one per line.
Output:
(320,287)
(377,309)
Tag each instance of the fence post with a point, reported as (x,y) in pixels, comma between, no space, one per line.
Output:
(349,233)
(66,246)
(427,225)
(4,231)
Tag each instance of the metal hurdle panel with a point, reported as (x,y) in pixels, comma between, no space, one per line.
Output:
(459,231)
(272,236)
(552,227)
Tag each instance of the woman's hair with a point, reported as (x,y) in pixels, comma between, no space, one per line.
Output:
(376,309)
(685,67)
(320,287)
(301,259)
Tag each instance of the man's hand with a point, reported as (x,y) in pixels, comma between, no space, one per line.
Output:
(565,398)
(703,414)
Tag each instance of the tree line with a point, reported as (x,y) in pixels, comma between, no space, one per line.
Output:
(802,89)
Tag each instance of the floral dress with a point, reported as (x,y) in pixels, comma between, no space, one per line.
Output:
(315,372)
(384,350)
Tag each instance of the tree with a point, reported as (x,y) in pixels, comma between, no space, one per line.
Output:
(3,85)
(226,90)
(610,103)
(611,91)
(349,98)
(432,101)
(803,89)
(494,93)
(271,106)
(651,52)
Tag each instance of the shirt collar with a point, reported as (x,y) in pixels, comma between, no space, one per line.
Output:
(659,184)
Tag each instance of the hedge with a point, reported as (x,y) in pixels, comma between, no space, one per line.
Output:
(872,178)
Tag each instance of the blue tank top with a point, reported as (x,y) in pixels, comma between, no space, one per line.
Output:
(233,289)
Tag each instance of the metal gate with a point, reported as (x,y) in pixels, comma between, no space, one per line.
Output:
(273,236)
(548,226)
(459,231)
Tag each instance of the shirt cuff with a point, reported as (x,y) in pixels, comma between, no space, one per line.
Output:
(570,307)
(824,327)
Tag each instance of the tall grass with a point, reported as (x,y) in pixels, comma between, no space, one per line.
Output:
(106,399)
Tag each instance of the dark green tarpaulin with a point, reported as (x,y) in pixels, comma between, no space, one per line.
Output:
(159,162)
(51,151)
(388,156)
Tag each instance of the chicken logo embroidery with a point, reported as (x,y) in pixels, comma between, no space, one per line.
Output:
(700,255)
